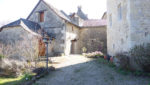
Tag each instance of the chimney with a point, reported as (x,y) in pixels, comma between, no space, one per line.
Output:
(79,8)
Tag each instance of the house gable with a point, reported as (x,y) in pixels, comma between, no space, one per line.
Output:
(51,19)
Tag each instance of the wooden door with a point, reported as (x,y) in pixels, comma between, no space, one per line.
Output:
(73,42)
(42,48)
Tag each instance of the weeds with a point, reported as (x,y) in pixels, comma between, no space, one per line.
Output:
(2,56)
(103,61)
(121,70)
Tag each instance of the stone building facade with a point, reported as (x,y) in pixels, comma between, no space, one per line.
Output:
(18,41)
(128,24)
(94,39)
(72,32)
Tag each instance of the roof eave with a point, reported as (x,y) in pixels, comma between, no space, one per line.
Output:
(93,26)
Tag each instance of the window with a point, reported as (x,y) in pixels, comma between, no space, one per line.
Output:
(72,28)
(41,16)
(113,46)
(122,41)
(110,20)
(119,12)
(146,34)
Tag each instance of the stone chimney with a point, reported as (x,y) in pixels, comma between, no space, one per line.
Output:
(81,14)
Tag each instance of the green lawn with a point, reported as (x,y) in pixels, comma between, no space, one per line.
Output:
(14,81)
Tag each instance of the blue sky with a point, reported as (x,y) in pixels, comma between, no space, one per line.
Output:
(14,9)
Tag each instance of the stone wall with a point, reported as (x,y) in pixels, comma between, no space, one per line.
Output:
(94,39)
(68,39)
(132,29)
(139,22)
(51,20)
(18,47)
(52,24)
(17,43)
(72,33)
(118,30)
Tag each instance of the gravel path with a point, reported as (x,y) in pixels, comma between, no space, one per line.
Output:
(78,70)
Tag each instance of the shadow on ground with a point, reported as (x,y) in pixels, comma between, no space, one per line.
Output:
(78,70)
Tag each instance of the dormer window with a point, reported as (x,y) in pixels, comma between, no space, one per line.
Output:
(41,16)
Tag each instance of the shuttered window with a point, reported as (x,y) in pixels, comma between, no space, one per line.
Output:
(41,17)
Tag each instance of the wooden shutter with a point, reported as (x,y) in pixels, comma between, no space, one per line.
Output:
(41,16)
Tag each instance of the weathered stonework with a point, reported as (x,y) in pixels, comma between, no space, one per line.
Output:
(133,27)
(52,24)
(94,39)
(72,32)
(17,43)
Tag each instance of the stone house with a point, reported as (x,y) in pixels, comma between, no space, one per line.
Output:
(128,24)
(20,40)
(72,32)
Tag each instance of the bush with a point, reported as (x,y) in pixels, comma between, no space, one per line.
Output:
(123,61)
(94,54)
(11,67)
(104,61)
(84,49)
(141,55)
(1,56)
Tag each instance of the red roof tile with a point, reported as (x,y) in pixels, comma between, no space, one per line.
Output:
(94,23)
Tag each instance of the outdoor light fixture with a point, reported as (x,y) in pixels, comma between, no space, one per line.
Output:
(46,40)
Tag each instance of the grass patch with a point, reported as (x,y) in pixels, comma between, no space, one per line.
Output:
(103,61)
(123,71)
(15,81)
(112,65)
(1,56)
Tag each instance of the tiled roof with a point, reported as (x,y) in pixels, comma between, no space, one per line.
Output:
(31,25)
(64,14)
(94,23)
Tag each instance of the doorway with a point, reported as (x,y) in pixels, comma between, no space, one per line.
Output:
(73,46)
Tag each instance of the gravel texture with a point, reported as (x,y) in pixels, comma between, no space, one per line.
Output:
(79,70)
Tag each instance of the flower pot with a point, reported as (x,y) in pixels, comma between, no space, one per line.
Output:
(105,57)
(111,59)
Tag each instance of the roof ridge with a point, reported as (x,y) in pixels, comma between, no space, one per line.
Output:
(55,9)
(34,9)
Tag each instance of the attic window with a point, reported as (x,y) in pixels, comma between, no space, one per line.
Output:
(41,16)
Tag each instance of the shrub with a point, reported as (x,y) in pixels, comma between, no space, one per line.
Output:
(1,56)
(11,67)
(84,49)
(104,61)
(123,61)
(94,54)
(141,55)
